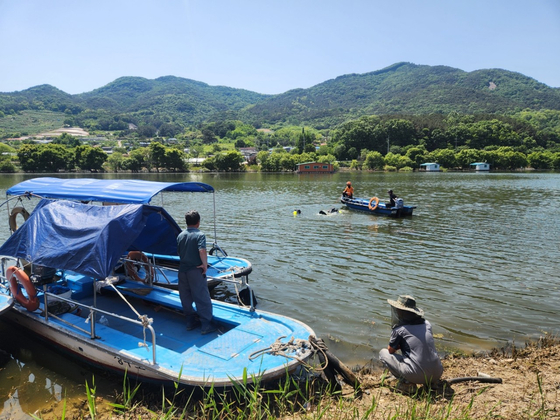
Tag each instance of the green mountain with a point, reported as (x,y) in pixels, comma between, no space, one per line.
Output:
(403,88)
(406,88)
(191,100)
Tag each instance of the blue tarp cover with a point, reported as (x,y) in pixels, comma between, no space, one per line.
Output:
(133,191)
(90,239)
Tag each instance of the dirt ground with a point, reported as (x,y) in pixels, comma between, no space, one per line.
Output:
(530,387)
(73,131)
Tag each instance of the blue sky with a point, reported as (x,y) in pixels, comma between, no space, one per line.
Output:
(268,46)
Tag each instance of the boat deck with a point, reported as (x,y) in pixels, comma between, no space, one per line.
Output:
(220,355)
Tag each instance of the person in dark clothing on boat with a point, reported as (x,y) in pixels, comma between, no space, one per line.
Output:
(193,286)
(418,362)
(392,198)
(348,192)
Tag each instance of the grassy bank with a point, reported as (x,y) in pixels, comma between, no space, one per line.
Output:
(530,390)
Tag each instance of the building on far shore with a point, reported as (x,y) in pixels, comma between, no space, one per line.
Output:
(430,167)
(480,166)
(315,168)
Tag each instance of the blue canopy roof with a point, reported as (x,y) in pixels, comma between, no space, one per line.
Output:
(90,239)
(133,191)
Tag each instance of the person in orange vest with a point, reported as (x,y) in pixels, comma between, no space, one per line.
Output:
(348,191)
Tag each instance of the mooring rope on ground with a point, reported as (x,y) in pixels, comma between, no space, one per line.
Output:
(333,366)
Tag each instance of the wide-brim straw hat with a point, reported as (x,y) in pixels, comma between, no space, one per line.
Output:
(406,303)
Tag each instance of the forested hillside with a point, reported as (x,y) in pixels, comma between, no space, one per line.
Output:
(403,88)
(410,89)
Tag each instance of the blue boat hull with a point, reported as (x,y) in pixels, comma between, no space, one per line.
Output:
(362,204)
(160,349)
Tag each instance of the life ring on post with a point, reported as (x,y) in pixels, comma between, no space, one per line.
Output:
(371,201)
(15,275)
(13,217)
(138,257)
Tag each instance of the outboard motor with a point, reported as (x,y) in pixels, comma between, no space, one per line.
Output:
(42,275)
(399,203)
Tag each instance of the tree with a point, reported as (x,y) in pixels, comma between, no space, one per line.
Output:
(54,157)
(540,160)
(93,158)
(288,162)
(208,137)
(28,155)
(418,155)
(392,159)
(515,160)
(228,161)
(273,163)
(494,132)
(115,161)
(356,165)
(556,161)
(363,133)
(6,165)
(374,160)
(196,151)
(175,160)
(262,157)
(136,160)
(303,142)
(157,154)
(67,140)
(169,130)
(467,156)
(445,157)
(400,132)
(147,131)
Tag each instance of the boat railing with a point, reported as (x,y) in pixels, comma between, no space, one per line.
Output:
(228,278)
(160,270)
(93,312)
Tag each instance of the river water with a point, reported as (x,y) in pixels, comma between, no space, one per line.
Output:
(481,254)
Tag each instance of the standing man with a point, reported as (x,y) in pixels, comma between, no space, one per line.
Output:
(193,286)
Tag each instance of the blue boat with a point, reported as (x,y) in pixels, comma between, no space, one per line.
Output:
(374,206)
(160,270)
(59,267)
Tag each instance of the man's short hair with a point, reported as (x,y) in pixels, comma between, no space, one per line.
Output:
(192,217)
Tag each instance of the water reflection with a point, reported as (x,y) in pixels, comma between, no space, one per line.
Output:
(33,376)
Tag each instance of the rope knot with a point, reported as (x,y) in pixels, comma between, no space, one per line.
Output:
(146,322)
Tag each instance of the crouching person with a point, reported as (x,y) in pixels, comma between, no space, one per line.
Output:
(418,362)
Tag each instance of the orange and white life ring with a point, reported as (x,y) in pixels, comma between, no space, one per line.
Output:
(371,201)
(15,275)
(138,257)
(13,217)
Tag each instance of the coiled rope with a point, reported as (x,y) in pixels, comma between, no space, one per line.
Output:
(278,348)
(330,364)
